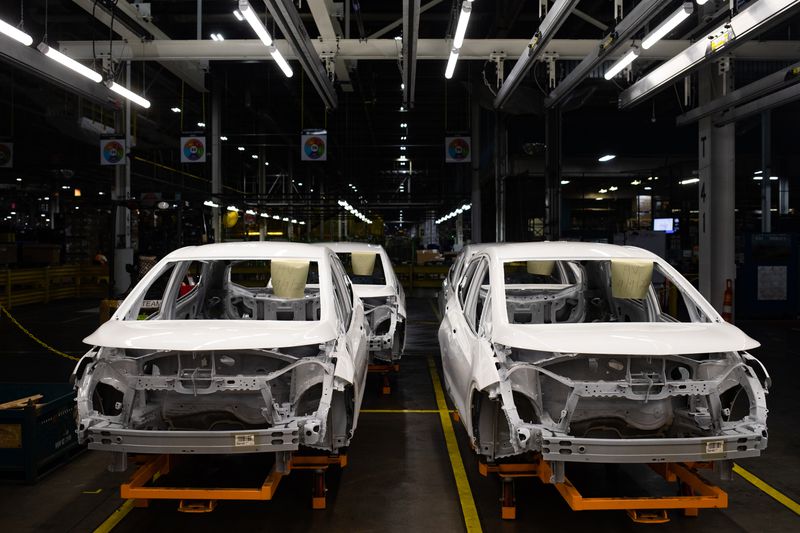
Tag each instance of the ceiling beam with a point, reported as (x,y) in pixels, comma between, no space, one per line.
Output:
(766,85)
(386,49)
(288,19)
(329,30)
(755,107)
(389,27)
(558,13)
(749,23)
(411,10)
(626,29)
(191,72)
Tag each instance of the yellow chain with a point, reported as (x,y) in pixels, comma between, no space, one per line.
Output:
(32,336)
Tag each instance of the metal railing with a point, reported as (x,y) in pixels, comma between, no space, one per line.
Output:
(41,285)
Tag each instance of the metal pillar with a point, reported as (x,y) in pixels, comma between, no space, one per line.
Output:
(199,19)
(766,171)
(717,162)
(216,158)
(476,166)
(783,196)
(500,171)
(552,176)
(123,253)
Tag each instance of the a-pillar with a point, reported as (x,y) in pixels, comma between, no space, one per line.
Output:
(717,163)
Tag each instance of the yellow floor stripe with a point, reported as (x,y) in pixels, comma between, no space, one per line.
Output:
(468,508)
(764,487)
(381,411)
(435,310)
(116,517)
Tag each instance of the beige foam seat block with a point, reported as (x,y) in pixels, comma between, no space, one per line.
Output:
(541,268)
(363,263)
(289,277)
(630,278)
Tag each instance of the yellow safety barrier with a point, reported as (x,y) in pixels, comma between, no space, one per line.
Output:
(22,328)
(41,285)
(421,276)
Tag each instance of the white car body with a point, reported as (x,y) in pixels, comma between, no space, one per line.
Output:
(563,366)
(455,273)
(384,301)
(225,365)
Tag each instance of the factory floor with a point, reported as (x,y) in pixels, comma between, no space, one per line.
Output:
(400,476)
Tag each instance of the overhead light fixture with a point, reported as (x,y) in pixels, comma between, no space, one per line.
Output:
(281,62)
(701,2)
(252,18)
(201,124)
(286,219)
(70,63)
(238,15)
(240,148)
(254,156)
(689,181)
(773,178)
(264,215)
(564,182)
(451,63)
(175,109)
(403,148)
(636,182)
(223,138)
(294,221)
(621,63)
(233,209)
(216,37)
(250,212)
(302,223)
(15,33)
(130,95)
(668,25)
(607,157)
(463,20)
(276,217)
(613,188)
(648,188)
(758,172)
(603,191)
(209,203)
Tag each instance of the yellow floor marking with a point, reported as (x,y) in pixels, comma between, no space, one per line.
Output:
(98,491)
(774,493)
(116,517)
(468,509)
(426,411)
(435,310)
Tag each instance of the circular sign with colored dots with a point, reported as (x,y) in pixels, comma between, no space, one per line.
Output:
(113,152)
(314,147)
(194,149)
(458,149)
(5,154)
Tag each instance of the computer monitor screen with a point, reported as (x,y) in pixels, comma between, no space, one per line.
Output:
(663,224)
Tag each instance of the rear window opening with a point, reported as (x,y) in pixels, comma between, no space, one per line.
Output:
(263,289)
(360,267)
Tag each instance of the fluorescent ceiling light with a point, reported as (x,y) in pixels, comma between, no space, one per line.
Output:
(613,188)
(648,188)
(463,20)
(276,217)
(254,156)
(238,15)
(223,138)
(607,157)
(252,18)
(130,95)
(250,212)
(209,203)
(70,63)
(281,61)
(451,64)
(233,209)
(240,148)
(264,215)
(773,178)
(564,182)
(701,2)
(603,191)
(214,37)
(201,124)
(668,25)
(758,172)
(15,33)
(175,109)
(690,181)
(620,65)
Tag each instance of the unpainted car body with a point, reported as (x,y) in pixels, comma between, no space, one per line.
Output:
(564,349)
(252,347)
(455,273)
(382,295)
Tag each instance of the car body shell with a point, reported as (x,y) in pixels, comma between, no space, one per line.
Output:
(385,304)
(241,385)
(510,380)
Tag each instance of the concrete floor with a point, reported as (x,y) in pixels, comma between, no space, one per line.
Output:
(399,476)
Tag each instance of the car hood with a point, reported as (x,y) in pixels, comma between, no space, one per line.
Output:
(193,335)
(625,338)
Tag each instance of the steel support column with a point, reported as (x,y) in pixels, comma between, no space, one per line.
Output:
(123,253)
(500,172)
(717,162)
(476,165)
(766,172)
(216,158)
(552,176)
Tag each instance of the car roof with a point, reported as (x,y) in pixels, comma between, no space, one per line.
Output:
(352,246)
(564,250)
(249,250)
